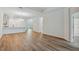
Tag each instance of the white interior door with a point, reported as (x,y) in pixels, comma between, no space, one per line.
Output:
(75,30)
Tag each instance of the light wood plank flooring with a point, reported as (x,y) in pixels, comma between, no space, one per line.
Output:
(35,42)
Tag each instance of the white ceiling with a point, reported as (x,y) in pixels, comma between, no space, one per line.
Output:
(39,9)
(19,12)
(43,9)
(27,11)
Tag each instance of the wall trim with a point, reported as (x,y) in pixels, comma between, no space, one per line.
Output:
(52,36)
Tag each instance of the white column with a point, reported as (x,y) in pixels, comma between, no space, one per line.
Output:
(67,23)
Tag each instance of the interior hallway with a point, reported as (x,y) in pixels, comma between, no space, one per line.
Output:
(33,42)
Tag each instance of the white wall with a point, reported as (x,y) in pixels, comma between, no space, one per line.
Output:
(74,10)
(38,24)
(58,22)
(1,21)
(54,23)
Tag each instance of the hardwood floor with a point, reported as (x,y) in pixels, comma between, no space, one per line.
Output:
(33,42)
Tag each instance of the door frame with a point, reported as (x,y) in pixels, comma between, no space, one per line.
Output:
(72,29)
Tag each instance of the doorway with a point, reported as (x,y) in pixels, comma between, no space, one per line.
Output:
(75,29)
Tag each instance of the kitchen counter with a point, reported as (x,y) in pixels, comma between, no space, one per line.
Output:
(9,30)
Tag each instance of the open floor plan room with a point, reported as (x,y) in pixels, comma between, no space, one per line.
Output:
(39,29)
